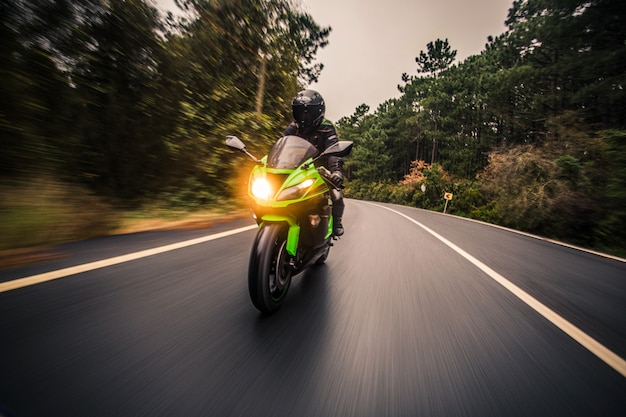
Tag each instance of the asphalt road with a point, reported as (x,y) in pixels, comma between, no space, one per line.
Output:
(414,314)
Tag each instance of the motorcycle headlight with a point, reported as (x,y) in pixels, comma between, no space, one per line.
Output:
(261,188)
(295,191)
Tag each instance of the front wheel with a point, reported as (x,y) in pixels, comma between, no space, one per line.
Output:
(269,271)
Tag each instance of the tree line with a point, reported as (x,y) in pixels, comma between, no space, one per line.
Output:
(530,133)
(133,105)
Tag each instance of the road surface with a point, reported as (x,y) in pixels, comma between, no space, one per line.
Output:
(415,313)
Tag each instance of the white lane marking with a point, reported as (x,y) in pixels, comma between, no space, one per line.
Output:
(73,270)
(610,358)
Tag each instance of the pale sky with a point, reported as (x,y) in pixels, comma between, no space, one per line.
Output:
(374,41)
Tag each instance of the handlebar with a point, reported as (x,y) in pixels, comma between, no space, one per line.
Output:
(325,174)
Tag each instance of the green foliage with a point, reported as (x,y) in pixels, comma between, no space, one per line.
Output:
(122,122)
(438,58)
(611,230)
(111,97)
(371,160)
(220,53)
(569,168)
(528,134)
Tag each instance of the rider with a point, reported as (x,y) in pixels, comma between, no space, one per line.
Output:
(309,123)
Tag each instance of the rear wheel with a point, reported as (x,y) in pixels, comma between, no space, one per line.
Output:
(269,272)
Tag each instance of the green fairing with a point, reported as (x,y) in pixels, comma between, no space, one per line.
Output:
(330,228)
(293,236)
(295,177)
(284,180)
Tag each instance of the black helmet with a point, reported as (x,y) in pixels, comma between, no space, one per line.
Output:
(308,110)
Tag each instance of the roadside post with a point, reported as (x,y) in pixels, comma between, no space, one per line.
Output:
(447,197)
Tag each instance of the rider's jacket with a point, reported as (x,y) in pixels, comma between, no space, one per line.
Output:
(322,137)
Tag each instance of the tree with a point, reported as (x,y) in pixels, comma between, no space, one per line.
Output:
(226,51)
(118,77)
(610,170)
(369,161)
(438,58)
(574,53)
(38,40)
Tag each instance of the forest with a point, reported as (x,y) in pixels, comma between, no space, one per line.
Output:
(528,134)
(110,106)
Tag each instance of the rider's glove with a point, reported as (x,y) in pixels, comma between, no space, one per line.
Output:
(337,179)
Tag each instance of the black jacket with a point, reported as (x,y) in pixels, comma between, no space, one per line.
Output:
(324,136)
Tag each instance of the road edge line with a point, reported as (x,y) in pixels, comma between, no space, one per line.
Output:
(77,269)
(589,343)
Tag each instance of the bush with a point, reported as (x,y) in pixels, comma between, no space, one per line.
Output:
(43,211)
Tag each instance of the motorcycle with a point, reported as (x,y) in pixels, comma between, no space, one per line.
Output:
(292,205)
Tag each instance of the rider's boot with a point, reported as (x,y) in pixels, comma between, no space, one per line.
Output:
(338,208)
(337,226)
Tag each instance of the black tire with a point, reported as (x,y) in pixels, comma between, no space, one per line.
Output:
(269,271)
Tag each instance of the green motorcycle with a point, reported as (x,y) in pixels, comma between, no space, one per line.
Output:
(290,198)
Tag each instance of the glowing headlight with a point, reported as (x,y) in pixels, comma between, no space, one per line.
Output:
(296,191)
(305,184)
(261,188)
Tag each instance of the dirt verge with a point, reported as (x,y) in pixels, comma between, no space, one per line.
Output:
(14,258)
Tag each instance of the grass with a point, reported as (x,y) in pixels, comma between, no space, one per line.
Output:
(46,212)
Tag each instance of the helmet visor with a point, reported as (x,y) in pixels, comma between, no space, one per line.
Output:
(303,117)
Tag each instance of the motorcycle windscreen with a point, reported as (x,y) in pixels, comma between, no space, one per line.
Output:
(289,152)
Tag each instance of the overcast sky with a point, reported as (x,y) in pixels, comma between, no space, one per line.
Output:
(374,41)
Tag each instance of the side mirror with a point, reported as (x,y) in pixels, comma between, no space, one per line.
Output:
(341,148)
(235,143)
